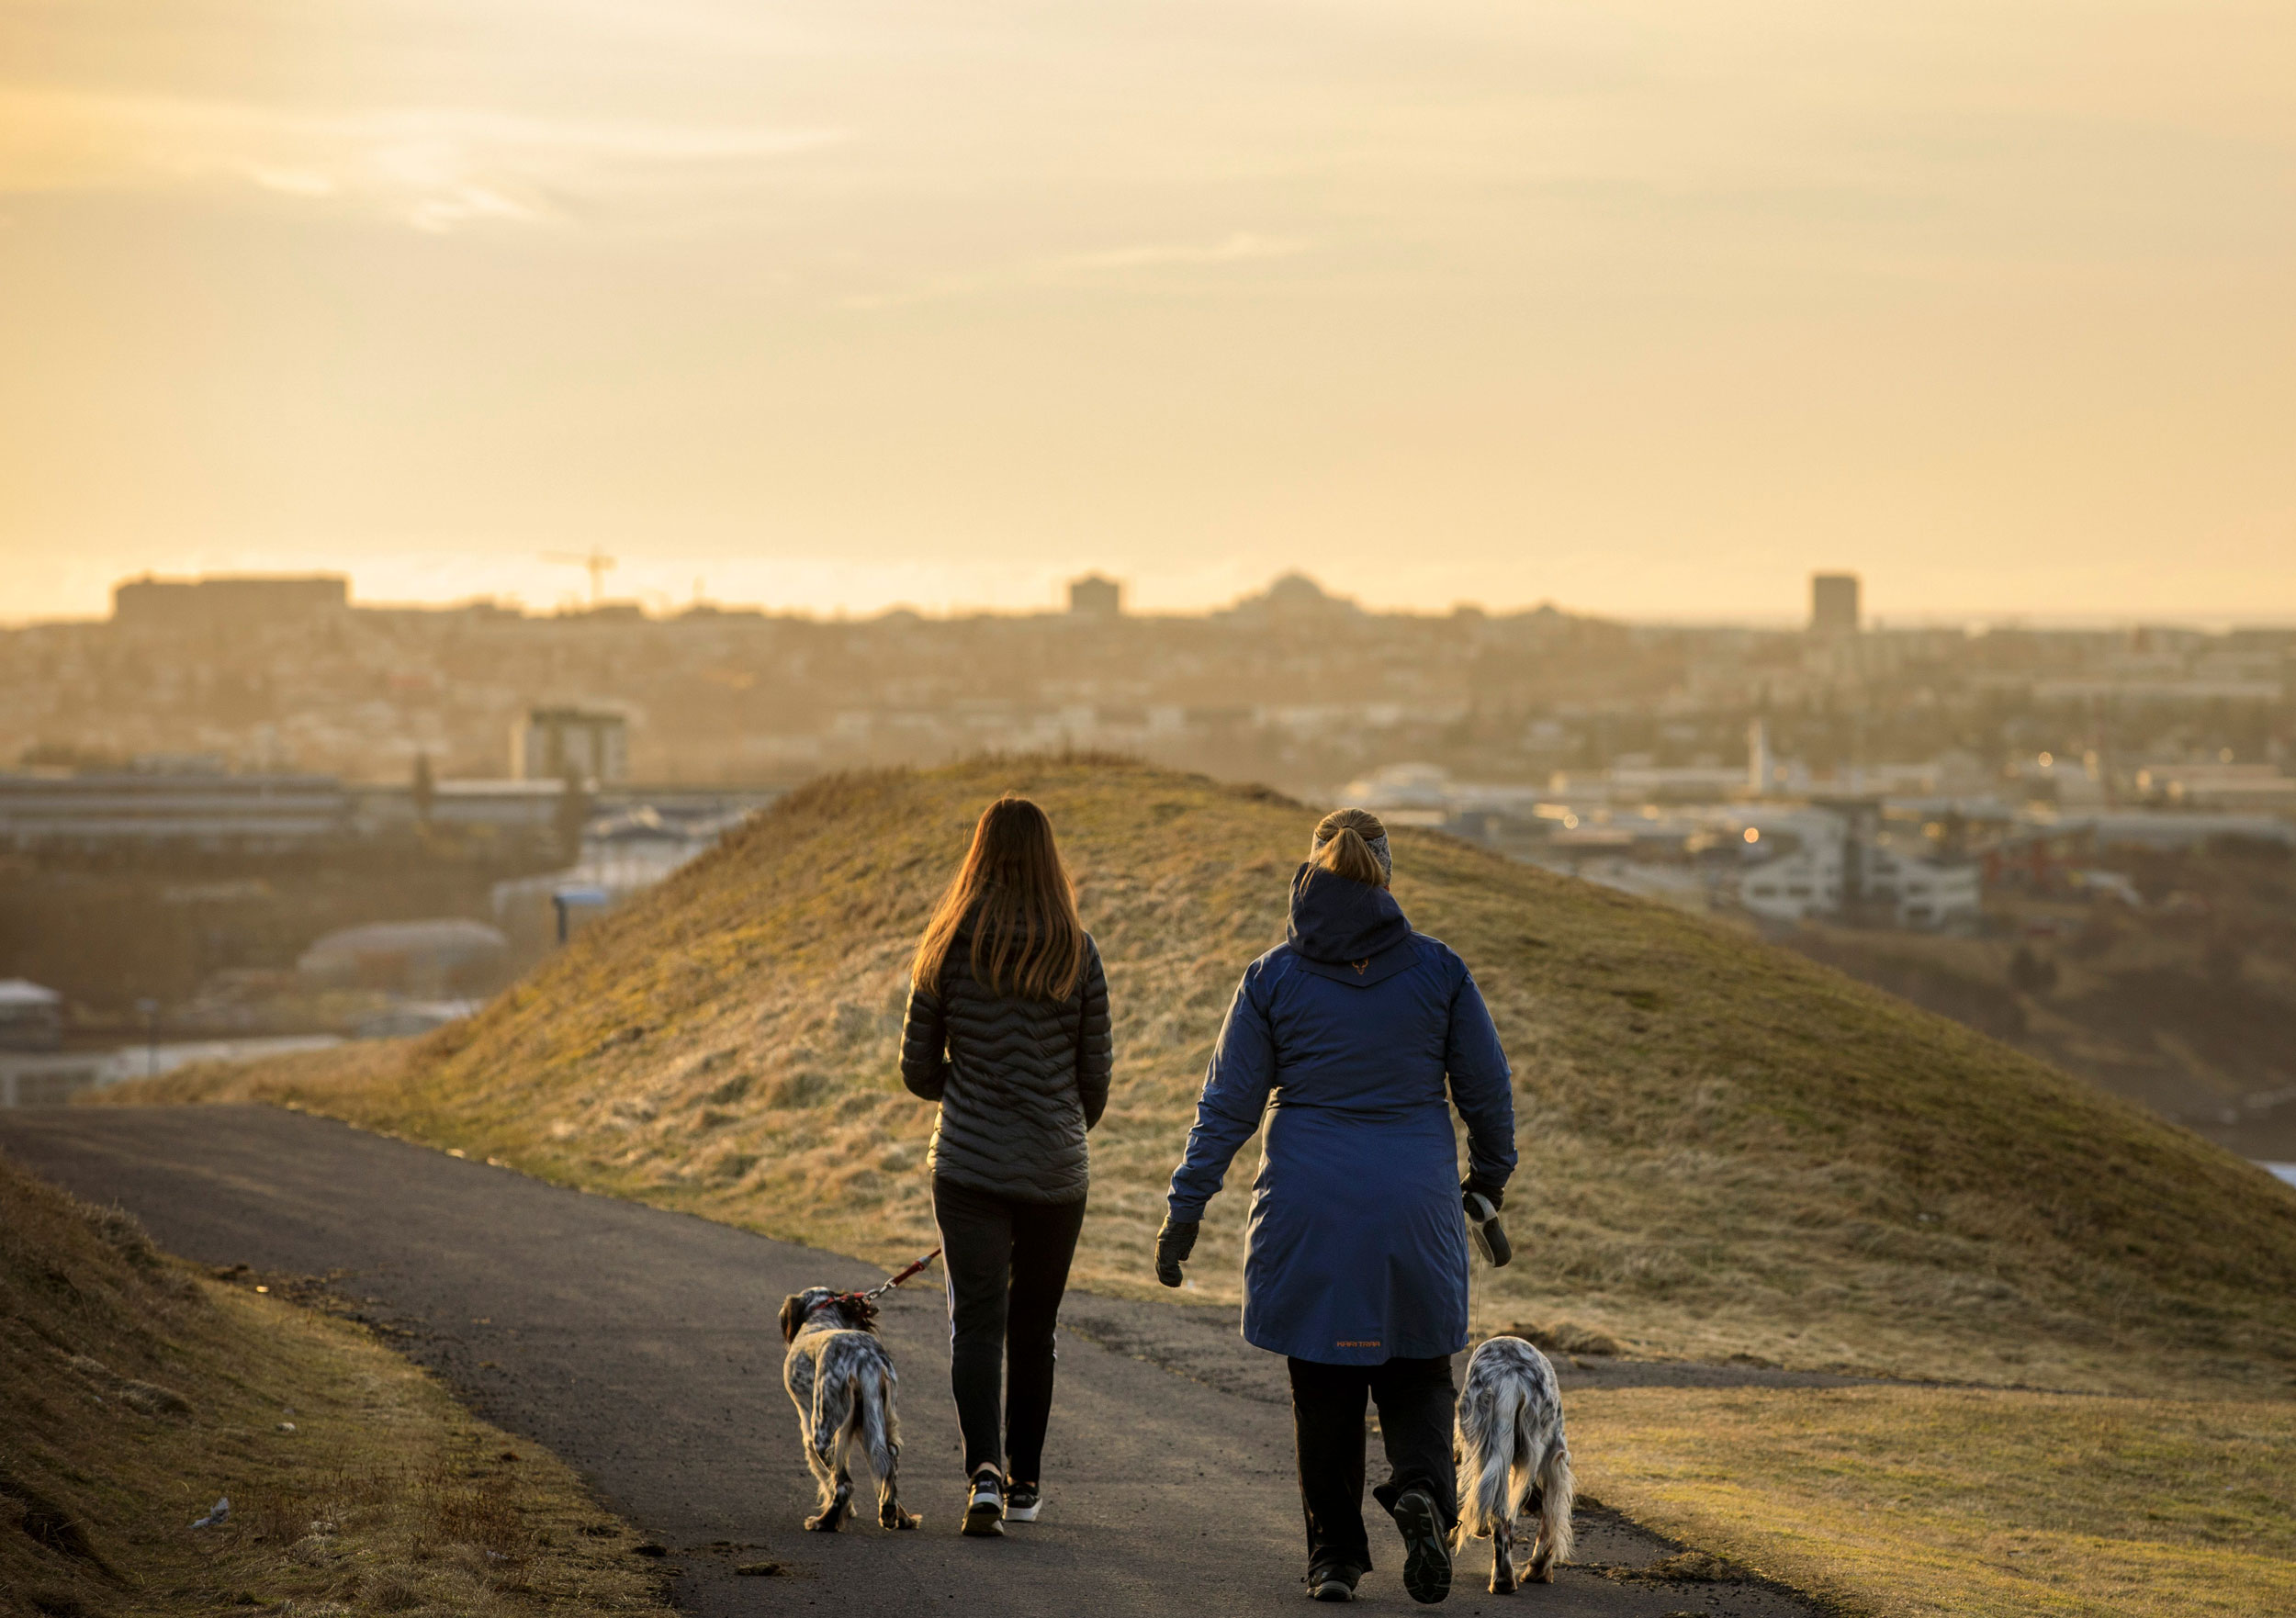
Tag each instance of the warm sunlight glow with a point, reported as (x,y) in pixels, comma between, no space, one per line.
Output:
(1645,310)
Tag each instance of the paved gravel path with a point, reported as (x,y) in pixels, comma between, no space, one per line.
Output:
(642,1347)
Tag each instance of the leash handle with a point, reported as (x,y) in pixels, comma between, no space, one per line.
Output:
(884,1286)
(1490,1236)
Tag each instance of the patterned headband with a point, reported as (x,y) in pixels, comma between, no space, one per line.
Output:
(1377,845)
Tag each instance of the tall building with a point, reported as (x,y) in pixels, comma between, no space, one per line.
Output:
(1094,597)
(1758,766)
(1833,603)
(591,744)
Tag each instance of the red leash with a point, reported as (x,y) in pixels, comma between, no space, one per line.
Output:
(883,1287)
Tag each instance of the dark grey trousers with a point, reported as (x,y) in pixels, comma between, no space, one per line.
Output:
(1007,1266)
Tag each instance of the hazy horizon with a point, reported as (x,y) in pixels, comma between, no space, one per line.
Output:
(661,606)
(1648,313)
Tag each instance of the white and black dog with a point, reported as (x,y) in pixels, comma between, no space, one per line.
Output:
(840,1378)
(1510,1439)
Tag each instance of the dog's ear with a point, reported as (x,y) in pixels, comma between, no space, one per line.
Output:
(792,1316)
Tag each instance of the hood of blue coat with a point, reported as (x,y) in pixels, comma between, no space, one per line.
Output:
(1349,931)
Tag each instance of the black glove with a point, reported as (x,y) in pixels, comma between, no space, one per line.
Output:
(1494,1192)
(1174,1243)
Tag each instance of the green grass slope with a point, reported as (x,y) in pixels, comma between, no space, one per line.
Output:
(1727,1150)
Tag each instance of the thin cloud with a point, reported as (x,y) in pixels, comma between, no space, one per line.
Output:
(293,182)
(1236,249)
(1098,268)
(433,169)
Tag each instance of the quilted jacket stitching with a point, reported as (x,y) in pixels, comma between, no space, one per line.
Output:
(1018,1081)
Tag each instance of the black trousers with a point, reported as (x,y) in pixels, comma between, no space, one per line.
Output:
(1007,1266)
(1415,1399)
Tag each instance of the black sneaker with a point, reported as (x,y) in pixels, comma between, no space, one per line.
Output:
(984,1505)
(1333,1582)
(1427,1548)
(1022,1502)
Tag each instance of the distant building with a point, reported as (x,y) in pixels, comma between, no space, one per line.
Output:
(53,1079)
(627,848)
(204,813)
(1294,599)
(1805,881)
(591,744)
(31,1018)
(506,805)
(1094,597)
(2235,787)
(2168,828)
(1758,765)
(1648,783)
(1833,603)
(1295,595)
(1922,892)
(1831,861)
(1404,795)
(228,603)
(496,808)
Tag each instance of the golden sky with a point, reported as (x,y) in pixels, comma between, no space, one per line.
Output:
(1649,309)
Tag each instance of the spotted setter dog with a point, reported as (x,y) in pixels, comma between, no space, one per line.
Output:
(841,1377)
(1510,1447)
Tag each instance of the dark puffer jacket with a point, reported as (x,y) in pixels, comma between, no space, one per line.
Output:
(1018,1081)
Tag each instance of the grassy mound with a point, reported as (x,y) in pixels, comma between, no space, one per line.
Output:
(1727,1150)
(134,1392)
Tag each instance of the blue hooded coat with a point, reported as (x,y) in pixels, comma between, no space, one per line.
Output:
(1341,1038)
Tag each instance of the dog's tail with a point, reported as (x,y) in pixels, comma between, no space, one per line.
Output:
(1559,1491)
(1486,1454)
(880,1422)
(832,1408)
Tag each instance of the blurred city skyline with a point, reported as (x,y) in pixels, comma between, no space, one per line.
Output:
(424,587)
(1646,312)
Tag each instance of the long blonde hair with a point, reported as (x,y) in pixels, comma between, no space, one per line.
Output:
(1027,938)
(1341,845)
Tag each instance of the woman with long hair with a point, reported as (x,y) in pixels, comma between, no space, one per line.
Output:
(1007,1029)
(1346,1038)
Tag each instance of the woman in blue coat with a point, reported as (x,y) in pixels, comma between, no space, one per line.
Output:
(1352,1041)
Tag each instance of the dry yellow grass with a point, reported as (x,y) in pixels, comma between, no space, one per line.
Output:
(134,1392)
(1727,1150)
(1908,1502)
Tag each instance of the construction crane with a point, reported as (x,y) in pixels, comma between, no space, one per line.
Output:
(596,561)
